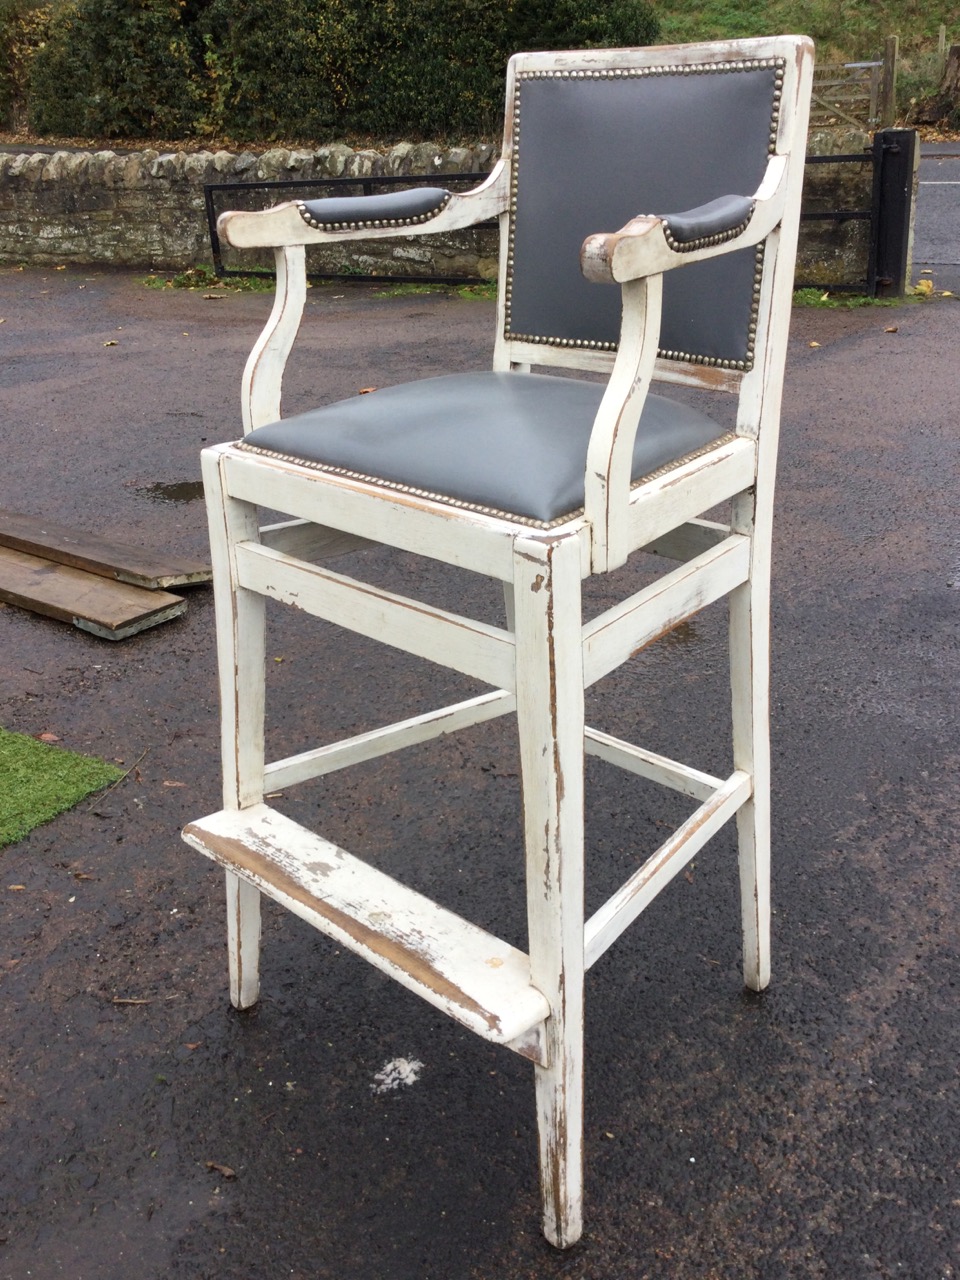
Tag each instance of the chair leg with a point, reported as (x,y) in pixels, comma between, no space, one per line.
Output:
(750,679)
(550,720)
(240,623)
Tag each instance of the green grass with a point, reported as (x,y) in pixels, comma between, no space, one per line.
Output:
(853,30)
(840,301)
(206,278)
(38,781)
(485,290)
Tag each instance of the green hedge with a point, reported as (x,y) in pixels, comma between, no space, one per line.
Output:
(295,69)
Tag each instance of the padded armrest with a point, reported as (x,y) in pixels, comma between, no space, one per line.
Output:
(417,210)
(355,213)
(707,224)
(653,244)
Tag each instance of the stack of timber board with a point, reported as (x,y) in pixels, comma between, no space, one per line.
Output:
(111,589)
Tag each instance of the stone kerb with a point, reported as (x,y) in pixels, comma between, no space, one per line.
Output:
(146,210)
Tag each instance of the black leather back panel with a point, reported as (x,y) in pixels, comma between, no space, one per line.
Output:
(592,153)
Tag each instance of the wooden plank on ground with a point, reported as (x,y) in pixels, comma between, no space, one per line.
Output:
(36,536)
(113,610)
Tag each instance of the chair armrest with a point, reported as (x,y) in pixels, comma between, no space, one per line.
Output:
(411,211)
(652,244)
(712,223)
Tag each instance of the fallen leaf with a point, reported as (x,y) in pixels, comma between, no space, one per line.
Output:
(365,391)
(129,1000)
(82,875)
(923,287)
(814,344)
(892,328)
(927,271)
(16,888)
(946,294)
(47,737)
(112,343)
(4,320)
(174,784)
(688,876)
(196,1045)
(213,297)
(10,964)
(223,1169)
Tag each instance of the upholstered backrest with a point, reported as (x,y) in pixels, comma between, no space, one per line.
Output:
(596,146)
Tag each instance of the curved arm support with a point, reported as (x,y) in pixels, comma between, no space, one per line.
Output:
(263,374)
(645,246)
(610,453)
(284,224)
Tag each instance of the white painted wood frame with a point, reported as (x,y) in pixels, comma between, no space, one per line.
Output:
(541,661)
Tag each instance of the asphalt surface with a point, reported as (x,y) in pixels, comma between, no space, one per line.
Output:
(810,1132)
(936,246)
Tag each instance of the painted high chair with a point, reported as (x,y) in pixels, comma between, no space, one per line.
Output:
(648,202)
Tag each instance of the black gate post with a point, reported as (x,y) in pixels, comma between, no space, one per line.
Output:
(894,162)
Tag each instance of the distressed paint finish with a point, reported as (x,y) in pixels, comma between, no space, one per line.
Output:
(478,979)
(551,727)
(541,662)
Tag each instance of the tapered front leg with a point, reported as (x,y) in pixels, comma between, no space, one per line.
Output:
(750,687)
(550,719)
(240,623)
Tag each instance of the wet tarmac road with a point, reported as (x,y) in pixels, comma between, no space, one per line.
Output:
(811,1132)
(936,246)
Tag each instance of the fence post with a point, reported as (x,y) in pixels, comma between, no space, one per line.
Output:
(888,87)
(891,242)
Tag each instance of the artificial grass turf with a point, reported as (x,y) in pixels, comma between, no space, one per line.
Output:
(38,781)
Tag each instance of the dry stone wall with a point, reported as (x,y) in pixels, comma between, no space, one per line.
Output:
(146,210)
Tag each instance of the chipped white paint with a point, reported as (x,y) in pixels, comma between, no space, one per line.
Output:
(396,1072)
(531,1003)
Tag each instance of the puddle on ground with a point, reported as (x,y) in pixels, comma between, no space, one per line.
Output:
(184,491)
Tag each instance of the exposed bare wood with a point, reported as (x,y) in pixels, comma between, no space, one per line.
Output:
(479,980)
(550,723)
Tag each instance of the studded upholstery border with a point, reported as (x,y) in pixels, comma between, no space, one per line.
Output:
(528,521)
(777,65)
(366,224)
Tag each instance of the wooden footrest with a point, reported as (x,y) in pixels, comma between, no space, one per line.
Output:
(479,980)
